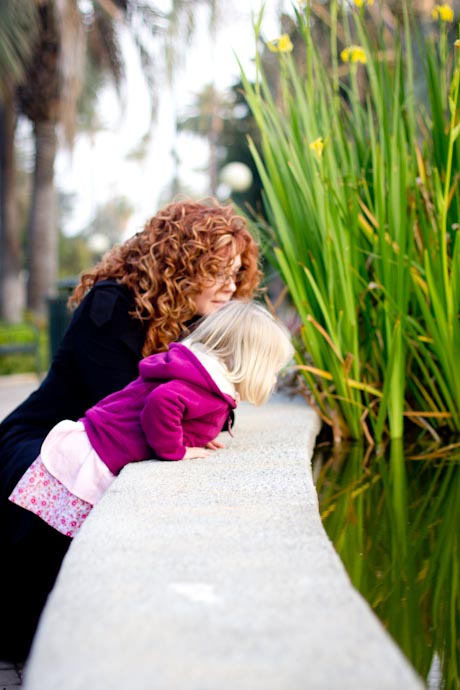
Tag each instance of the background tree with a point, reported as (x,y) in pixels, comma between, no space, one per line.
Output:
(204,118)
(237,126)
(18,32)
(48,97)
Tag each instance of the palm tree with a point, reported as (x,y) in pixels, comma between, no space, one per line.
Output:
(48,97)
(18,32)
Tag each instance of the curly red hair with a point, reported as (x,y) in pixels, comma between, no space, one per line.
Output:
(180,250)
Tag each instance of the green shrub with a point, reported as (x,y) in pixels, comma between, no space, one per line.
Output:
(23,334)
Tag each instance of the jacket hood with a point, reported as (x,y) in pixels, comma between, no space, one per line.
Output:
(179,362)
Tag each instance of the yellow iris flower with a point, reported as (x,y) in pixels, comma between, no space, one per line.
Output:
(361,3)
(283,44)
(354,54)
(317,146)
(444,13)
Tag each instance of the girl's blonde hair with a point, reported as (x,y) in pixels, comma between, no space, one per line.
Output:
(250,342)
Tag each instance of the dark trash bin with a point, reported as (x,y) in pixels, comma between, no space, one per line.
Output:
(59,315)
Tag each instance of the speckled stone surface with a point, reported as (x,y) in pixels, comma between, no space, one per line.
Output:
(214,574)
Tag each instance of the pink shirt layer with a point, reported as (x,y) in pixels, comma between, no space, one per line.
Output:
(68,455)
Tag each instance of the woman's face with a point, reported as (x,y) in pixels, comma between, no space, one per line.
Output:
(214,295)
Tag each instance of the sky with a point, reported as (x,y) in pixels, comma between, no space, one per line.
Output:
(100,168)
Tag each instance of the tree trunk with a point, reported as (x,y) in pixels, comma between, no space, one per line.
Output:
(11,284)
(42,231)
(213,138)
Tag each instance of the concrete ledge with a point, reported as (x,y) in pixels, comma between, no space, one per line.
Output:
(214,574)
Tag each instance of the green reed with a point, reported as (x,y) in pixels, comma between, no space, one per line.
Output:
(361,191)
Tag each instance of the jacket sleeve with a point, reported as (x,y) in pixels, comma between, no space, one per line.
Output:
(161,421)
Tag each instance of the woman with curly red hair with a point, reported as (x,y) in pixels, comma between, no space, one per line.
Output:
(190,258)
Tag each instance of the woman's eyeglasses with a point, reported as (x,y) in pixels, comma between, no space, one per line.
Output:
(225,277)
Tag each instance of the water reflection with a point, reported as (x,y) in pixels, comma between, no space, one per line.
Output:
(395,522)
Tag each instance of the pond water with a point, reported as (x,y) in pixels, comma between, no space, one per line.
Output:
(394,519)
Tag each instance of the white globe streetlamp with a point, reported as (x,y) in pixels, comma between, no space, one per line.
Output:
(98,243)
(236,177)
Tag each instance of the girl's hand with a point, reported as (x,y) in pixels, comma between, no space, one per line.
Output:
(214,445)
(191,453)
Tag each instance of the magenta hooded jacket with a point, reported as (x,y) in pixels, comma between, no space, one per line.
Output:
(173,403)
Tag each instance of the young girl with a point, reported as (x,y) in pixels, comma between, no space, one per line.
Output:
(174,410)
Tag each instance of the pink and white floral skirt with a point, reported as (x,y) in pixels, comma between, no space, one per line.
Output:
(44,495)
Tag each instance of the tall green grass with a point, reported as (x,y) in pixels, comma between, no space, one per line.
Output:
(361,189)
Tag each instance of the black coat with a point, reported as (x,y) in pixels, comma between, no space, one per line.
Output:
(99,354)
